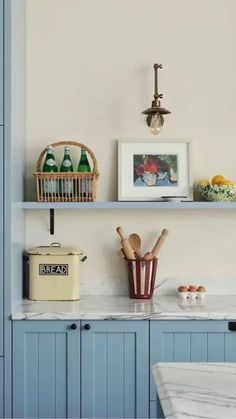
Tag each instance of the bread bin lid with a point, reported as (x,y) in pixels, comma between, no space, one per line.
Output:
(55,249)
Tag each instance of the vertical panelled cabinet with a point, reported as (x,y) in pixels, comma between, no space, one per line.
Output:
(1,63)
(101,369)
(1,242)
(1,207)
(96,369)
(1,388)
(46,370)
(188,341)
(115,369)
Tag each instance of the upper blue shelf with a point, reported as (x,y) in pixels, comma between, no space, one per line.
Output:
(107,205)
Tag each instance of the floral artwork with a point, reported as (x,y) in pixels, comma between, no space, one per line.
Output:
(155,170)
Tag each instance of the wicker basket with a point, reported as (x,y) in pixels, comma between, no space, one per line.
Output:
(66,187)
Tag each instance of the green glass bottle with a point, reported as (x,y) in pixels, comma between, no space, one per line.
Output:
(50,186)
(66,165)
(66,185)
(50,164)
(84,166)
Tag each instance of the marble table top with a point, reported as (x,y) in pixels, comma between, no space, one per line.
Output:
(115,307)
(196,390)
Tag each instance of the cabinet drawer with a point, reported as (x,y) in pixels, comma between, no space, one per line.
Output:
(1,387)
(191,341)
(1,62)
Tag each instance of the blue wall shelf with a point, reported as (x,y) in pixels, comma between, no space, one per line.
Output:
(109,205)
(117,205)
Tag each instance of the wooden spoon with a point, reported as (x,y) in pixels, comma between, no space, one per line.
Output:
(135,242)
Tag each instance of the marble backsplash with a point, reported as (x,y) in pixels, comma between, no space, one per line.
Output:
(114,286)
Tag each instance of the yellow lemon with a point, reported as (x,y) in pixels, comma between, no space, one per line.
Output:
(227,182)
(204,182)
(217,179)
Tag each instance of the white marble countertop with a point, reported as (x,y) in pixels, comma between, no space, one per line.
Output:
(196,390)
(115,307)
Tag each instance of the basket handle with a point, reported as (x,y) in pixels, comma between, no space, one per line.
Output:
(75,143)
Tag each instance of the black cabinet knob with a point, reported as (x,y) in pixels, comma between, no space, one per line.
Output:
(73,326)
(87,326)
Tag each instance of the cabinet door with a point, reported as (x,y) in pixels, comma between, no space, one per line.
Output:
(1,62)
(1,241)
(115,369)
(190,341)
(1,387)
(46,370)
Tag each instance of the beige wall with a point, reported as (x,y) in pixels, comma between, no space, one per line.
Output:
(89,76)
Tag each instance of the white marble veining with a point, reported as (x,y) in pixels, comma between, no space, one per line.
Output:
(214,286)
(114,307)
(196,390)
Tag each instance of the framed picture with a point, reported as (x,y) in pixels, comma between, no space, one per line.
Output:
(154,170)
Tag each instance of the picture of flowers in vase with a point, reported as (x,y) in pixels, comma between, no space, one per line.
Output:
(155,170)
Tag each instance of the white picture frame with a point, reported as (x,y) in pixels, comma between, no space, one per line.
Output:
(154,170)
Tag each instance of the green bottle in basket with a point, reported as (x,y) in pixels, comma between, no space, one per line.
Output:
(66,185)
(84,166)
(50,186)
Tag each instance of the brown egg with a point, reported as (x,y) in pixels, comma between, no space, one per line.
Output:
(183,288)
(200,288)
(192,288)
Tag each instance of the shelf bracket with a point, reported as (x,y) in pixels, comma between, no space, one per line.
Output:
(51,218)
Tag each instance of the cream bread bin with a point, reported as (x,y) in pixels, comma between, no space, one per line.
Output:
(54,272)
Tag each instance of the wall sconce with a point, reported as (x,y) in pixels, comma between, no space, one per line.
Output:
(155,118)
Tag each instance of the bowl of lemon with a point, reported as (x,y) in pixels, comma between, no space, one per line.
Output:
(218,189)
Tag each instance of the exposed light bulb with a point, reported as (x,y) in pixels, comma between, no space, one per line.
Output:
(155,124)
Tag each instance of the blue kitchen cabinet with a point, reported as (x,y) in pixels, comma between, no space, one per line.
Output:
(188,341)
(101,369)
(115,369)
(46,369)
(1,242)
(110,377)
(1,387)
(1,61)
(156,410)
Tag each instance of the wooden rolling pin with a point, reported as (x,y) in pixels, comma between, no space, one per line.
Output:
(128,251)
(159,243)
(121,254)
